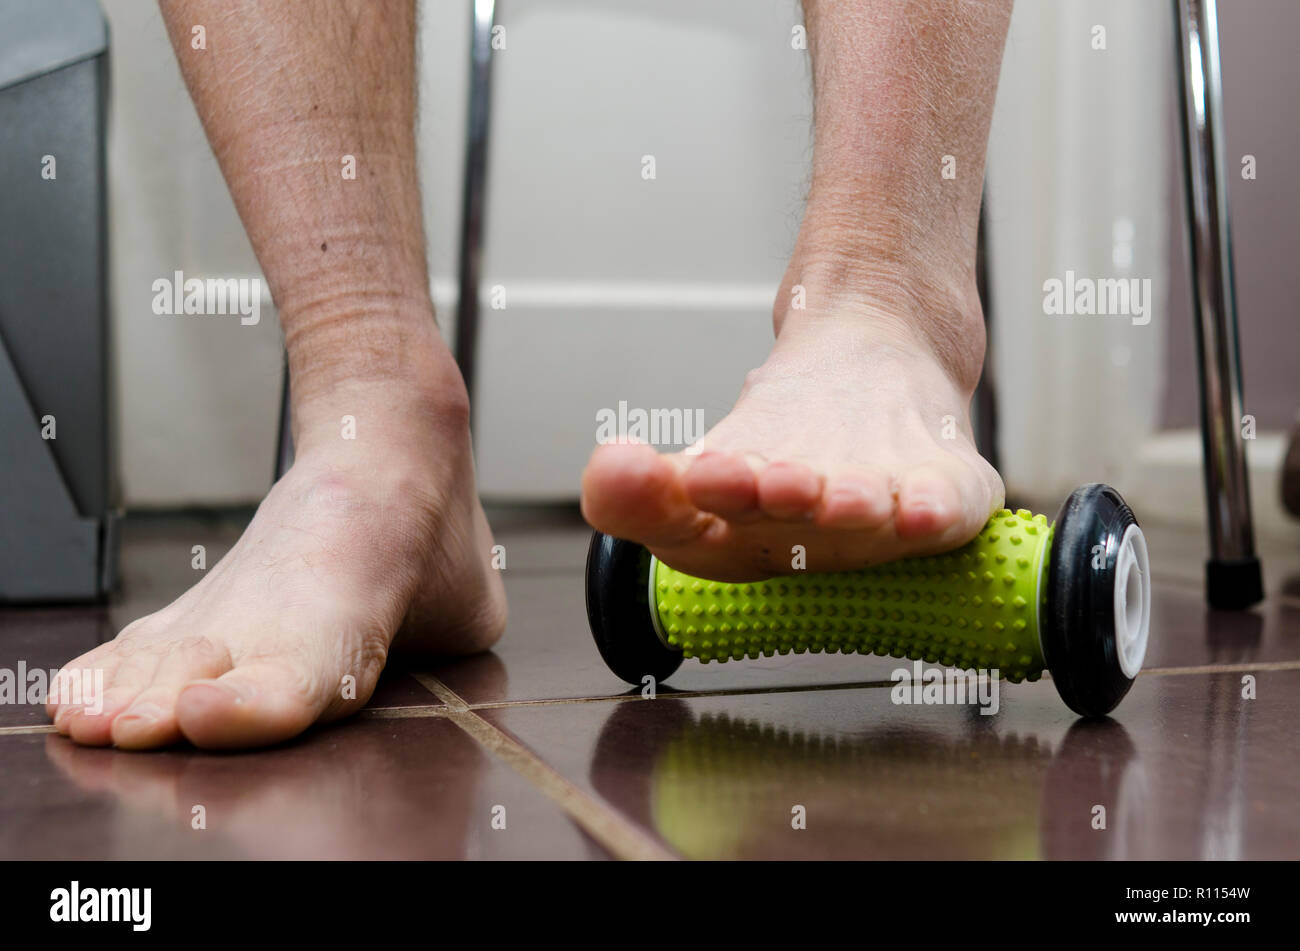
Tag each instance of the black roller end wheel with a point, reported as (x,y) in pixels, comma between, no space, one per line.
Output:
(1097,610)
(618,609)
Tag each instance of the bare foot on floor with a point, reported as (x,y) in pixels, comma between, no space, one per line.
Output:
(361,541)
(853,441)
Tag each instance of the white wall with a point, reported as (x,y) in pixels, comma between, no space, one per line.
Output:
(1079,148)
(196,398)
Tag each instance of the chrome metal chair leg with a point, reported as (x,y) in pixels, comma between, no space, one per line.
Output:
(473,210)
(984,407)
(284,439)
(1233,579)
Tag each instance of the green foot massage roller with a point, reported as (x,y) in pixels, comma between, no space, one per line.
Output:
(1072,598)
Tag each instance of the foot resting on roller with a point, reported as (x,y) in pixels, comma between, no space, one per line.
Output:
(853,440)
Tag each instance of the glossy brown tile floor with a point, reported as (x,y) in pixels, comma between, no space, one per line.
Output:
(539,737)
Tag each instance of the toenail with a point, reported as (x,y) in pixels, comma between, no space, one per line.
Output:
(145,711)
(851,492)
(236,694)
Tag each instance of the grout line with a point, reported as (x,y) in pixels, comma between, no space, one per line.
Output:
(27,730)
(446,708)
(623,838)
(683,694)
(453,703)
(452,706)
(444,693)
(559,701)
(402,713)
(1222,668)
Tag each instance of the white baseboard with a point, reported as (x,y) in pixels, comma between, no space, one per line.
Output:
(1168,485)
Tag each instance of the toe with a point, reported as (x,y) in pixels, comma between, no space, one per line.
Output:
(150,721)
(946,501)
(132,668)
(789,490)
(255,704)
(724,484)
(630,491)
(858,500)
(76,681)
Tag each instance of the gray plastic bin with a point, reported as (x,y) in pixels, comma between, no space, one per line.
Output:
(57,499)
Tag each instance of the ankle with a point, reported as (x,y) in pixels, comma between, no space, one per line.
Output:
(357,337)
(414,400)
(906,304)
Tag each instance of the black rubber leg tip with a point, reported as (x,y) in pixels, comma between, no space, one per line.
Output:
(1234,585)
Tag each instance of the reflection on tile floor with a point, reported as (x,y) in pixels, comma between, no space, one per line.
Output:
(1188,767)
(416,788)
